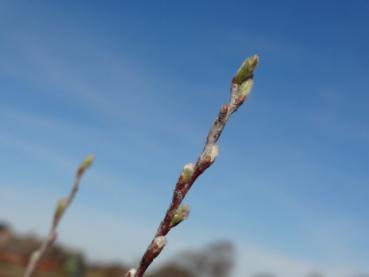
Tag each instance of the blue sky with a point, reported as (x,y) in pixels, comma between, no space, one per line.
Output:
(138,85)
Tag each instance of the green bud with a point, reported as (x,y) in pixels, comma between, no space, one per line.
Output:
(246,70)
(245,88)
(211,152)
(181,214)
(131,273)
(159,243)
(60,207)
(187,171)
(35,255)
(87,162)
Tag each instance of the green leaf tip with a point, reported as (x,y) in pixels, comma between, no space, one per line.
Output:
(87,162)
(246,70)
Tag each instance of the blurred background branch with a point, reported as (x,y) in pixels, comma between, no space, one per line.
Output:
(61,207)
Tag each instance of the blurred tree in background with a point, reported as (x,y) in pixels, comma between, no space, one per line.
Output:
(215,260)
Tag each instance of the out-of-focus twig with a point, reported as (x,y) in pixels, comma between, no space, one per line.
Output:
(242,83)
(60,209)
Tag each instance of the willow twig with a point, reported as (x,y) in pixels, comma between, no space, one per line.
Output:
(61,207)
(241,87)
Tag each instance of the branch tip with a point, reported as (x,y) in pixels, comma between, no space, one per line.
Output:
(87,162)
(246,70)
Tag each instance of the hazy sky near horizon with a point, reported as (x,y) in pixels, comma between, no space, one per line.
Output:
(139,84)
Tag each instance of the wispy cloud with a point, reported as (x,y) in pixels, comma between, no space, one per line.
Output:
(122,95)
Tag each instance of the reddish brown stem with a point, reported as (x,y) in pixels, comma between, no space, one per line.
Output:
(239,92)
